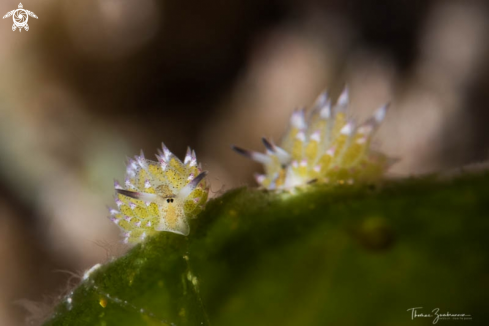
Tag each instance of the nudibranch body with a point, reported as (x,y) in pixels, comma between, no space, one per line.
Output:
(324,147)
(159,196)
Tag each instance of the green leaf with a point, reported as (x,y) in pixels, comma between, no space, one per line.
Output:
(343,255)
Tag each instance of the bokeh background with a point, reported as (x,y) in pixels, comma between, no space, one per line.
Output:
(94,81)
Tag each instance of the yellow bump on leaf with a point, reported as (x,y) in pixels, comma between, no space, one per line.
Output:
(126,210)
(157,172)
(178,166)
(153,209)
(141,212)
(325,162)
(311,150)
(354,152)
(339,123)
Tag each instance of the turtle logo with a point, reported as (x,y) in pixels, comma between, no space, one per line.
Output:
(20,17)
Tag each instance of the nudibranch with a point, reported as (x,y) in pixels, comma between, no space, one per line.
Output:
(159,196)
(323,147)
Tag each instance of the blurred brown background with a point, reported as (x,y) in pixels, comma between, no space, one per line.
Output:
(94,81)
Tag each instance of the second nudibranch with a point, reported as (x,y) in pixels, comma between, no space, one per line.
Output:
(159,195)
(323,147)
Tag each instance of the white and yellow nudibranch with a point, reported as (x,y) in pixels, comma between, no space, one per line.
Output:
(159,196)
(324,147)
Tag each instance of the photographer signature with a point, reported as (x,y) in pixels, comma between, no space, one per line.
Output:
(436,315)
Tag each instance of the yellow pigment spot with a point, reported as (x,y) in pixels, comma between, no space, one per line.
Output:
(171,216)
(102,302)
(181,313)
(131,278)
(153,209)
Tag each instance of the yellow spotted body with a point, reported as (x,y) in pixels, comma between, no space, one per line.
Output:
(159,196)
(323,147)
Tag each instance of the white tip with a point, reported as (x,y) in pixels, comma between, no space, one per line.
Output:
(343,99)
(188,156)
(193,159)
(325,112)
(162,160)
(117,185)
(331,151)
(379,115)
(316,136)
(301,136)
(298,120)
(259,178)
(129,185)
(118,202)
(166,152)
(147,184)
(347,129)
(362,140)
(130,172)
(164,165)
(321,100)
(131,168)
(366,128)
(142,161)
